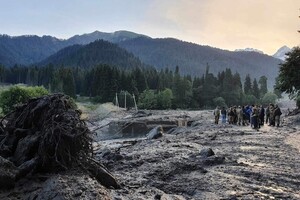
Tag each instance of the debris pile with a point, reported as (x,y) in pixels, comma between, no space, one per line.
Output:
(47,135)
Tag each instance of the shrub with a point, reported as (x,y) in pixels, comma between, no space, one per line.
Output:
(164,99)
(219,101)
(148,100)
(269,97)
(18,95)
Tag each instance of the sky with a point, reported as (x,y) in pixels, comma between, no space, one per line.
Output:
(266,25)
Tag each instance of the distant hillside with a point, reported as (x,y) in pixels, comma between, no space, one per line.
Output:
(98,52)
(31,49)
(27,49)
(193,58)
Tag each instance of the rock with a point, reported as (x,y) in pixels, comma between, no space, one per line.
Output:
(8,172)
(206,152)
(155,133)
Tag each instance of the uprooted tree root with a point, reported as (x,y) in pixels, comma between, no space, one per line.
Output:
(47,135)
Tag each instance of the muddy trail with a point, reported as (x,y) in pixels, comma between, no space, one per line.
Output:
(207,161)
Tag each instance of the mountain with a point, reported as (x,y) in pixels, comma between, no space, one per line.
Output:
(250,49)
(280,53)
(27,49)
(114,37)
(94,53)
(167,52)
(31,49)
(193,58)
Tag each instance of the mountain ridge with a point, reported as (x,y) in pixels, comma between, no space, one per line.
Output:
(159,52)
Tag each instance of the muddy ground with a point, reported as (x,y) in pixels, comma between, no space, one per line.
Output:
(243,164)
(247,164)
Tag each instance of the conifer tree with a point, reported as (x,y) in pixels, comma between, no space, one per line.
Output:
(255,89)
(248,85)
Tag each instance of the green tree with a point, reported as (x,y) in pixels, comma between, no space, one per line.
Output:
(248,85)
(147,100)
(249,99)
(289,72)
(269,97)
(263,87)
(255,89)
(219,101)
(164,99)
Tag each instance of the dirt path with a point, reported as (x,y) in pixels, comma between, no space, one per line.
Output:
(294,140)
(247,164)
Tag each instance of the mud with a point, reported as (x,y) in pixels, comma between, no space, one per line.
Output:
(247,164)
(200,161)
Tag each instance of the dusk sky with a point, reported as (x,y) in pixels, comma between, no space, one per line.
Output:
(227,24)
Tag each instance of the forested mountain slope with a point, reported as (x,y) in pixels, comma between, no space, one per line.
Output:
(193,58)
(98,52)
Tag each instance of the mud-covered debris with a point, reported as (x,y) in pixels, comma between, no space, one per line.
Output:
(8,173)
(155,133)
(47,135)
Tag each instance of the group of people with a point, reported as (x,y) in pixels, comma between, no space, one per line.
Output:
(254,115)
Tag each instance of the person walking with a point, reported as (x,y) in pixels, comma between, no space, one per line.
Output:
(277,113)
(223,115)
(268,113)
(261,115)
(217,114)
(272,115)
(240,113)
(254,117)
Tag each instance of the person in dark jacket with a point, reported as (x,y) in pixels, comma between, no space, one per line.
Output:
(261,115)
(277,113)
(223,115)
(268,114)
(254,117)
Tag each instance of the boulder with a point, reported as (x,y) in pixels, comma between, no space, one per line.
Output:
(206,152)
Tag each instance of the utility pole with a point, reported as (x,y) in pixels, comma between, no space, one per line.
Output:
(136,109)
(117,101)
(125,100)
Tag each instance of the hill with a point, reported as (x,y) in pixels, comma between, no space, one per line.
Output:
(193,58)
(31,49)
(27,49)
(97,52)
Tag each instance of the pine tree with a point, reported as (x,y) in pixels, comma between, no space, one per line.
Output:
(263,89)
(248,85)
(255,89)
